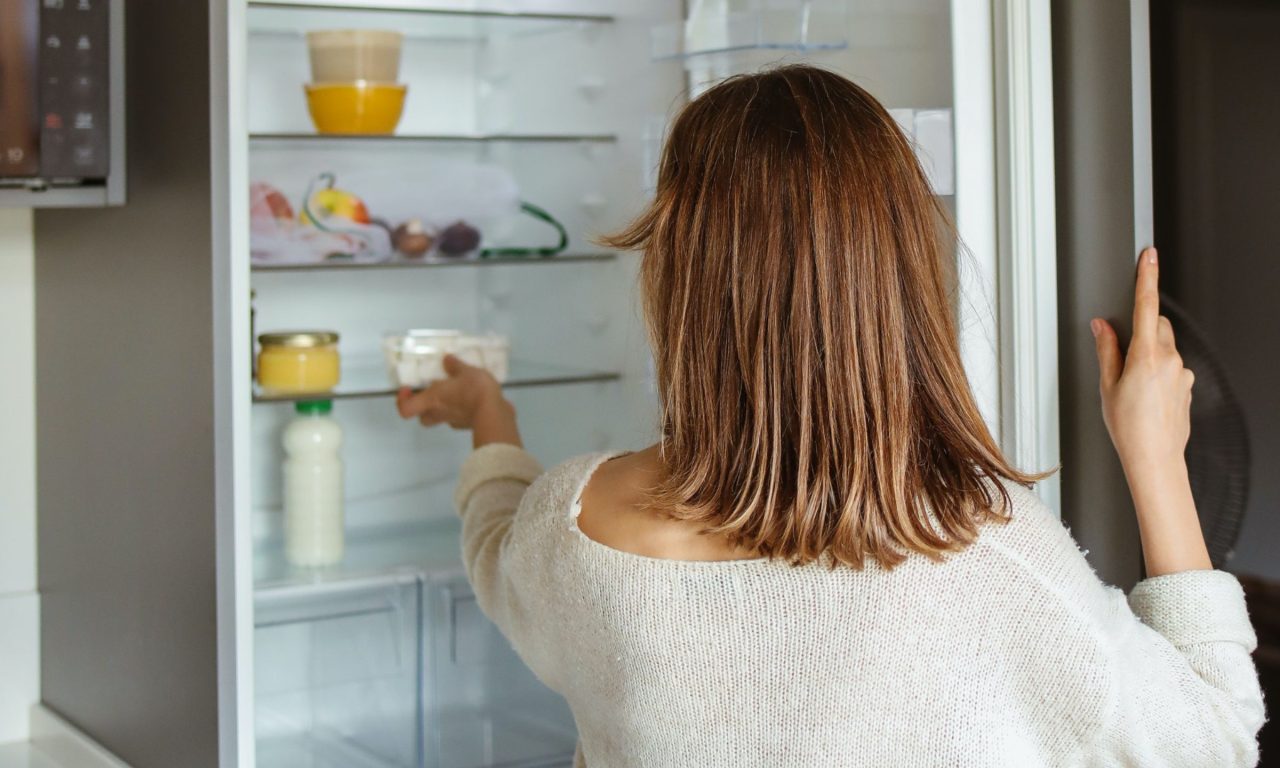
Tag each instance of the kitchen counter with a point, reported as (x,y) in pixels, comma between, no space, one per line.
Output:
(55,743)
(23,754)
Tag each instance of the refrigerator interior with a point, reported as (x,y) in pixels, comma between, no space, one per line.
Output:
(384,659)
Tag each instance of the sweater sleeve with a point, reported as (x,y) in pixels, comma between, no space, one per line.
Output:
(1184,691)
(491,484)
(1167,669)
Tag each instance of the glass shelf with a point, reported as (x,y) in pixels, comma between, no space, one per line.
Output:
(428,547)
(341,140)
(497,261)
(294,17)
(363,381)
(807,25)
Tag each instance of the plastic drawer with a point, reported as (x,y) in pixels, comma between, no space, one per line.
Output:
(338,669)
(484,708)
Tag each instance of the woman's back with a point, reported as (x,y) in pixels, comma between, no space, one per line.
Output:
(1010,653)
(827,559)
(616,508)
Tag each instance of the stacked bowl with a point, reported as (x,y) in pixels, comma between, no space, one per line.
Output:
(355,74)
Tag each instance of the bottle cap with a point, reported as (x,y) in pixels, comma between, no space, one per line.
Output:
(313,407)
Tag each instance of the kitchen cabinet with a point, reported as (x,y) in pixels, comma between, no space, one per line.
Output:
(161,533)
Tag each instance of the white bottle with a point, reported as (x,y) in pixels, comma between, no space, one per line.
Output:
(313,520)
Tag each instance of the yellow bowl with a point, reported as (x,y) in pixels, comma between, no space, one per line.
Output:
(356,107)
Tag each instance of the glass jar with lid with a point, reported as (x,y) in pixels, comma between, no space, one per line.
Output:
(298,362)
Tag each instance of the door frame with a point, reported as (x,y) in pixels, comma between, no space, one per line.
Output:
(1006,217)
(229,209)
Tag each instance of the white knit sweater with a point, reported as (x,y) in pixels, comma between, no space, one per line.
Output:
(1011,653)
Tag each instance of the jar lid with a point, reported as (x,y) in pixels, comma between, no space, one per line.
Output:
(298,339)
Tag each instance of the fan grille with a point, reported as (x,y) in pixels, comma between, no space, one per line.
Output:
(1218,451)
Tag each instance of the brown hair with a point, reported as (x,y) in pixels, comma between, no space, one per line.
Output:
(795,283)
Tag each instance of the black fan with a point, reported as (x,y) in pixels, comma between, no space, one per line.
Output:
(1218,452)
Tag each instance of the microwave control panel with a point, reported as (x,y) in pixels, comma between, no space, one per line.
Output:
(74,89)
(61,102)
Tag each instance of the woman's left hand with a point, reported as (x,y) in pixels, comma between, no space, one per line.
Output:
(470,398)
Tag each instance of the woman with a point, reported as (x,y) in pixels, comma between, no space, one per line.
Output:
(826,560)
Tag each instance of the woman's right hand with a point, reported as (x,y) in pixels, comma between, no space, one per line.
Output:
(1146,395)
(467,398)
(1146,404)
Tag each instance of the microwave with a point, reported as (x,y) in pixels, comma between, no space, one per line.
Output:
(61,113)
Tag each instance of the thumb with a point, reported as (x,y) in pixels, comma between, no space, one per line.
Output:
(1110,364)
(453,366)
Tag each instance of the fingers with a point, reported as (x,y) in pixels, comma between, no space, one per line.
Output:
(1107,345)
(411,404)
(404,395)
(418,404)
(432,418)
(440,402)
(1146,299)
(454,366)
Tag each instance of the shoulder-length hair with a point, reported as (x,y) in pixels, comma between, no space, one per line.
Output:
(795,282)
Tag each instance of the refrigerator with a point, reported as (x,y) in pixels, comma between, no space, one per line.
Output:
(383,659)
(170,546)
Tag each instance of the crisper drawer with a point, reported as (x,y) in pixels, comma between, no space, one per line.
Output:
(338,668)
(484,708)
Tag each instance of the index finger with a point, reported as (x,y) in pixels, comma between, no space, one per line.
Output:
(454,365)
(1146,299)
(411,404)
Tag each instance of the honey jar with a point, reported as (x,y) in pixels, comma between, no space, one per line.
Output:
(298,362)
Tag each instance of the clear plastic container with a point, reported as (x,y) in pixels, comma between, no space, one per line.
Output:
(726,26)
(415,358)
(400,670)
(343,55)
(338,674)
(483,707)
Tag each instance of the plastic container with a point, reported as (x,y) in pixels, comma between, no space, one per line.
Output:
(343,55)
(416,358)
(396,670)
(720,26)
(338,672)
(359,106)
(483,705)
(313,519)
(298,362)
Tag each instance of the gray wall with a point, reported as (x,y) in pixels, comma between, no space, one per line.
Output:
(1217,104)
(1099,222)
(125,424)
